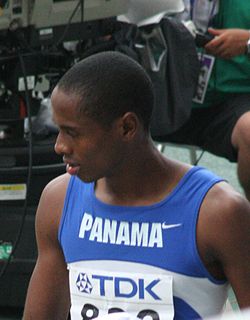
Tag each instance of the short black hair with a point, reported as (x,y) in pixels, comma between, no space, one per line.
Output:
(109,84)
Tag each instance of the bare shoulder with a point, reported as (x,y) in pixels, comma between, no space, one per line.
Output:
(224,239)
(51,204)
(57,187)
(224,203)
(223,231)
(54,193)
(224,211)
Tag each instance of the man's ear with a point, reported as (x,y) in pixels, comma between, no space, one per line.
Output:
(129,124)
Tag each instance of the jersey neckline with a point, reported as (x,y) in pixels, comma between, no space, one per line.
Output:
(158,204)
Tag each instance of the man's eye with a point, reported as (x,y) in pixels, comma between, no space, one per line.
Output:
(71,133)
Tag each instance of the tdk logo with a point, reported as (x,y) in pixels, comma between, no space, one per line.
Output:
(120,287)
(83,284)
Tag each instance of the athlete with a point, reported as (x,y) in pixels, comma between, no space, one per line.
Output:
(126,228)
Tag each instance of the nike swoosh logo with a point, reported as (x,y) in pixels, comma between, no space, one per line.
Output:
(170,226)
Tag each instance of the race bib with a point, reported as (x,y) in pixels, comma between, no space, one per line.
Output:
(98,293)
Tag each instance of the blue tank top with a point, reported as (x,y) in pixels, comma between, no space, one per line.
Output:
(143,259)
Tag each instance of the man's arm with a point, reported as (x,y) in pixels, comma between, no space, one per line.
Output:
(227,43)
(223,236)
(48,292)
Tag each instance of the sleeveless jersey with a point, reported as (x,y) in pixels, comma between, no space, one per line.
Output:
(139,259)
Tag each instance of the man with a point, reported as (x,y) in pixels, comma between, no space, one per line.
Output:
(127,228)
(220,118)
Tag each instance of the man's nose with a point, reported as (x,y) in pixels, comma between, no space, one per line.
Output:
(61,146)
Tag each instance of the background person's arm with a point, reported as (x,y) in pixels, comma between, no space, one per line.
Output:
(227,43)
(48,293)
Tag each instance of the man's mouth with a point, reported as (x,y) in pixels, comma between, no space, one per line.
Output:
(72,169)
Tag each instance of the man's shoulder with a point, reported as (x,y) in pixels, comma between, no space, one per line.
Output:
(59,182)
(223,226)
(222,196)
(224,207)
(56,189)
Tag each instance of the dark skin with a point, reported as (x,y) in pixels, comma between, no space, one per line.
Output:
(129,170)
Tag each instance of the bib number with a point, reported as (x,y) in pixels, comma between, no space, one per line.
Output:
(89,312)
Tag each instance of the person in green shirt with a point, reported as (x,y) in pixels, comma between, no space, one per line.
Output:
(220,117)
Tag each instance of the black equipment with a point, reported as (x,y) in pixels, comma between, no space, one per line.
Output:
(39,41)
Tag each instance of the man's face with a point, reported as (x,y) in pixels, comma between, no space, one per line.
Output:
(90,151)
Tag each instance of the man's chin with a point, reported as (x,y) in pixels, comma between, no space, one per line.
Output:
(84,178)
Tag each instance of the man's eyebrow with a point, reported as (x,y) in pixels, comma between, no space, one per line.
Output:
(65,127)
